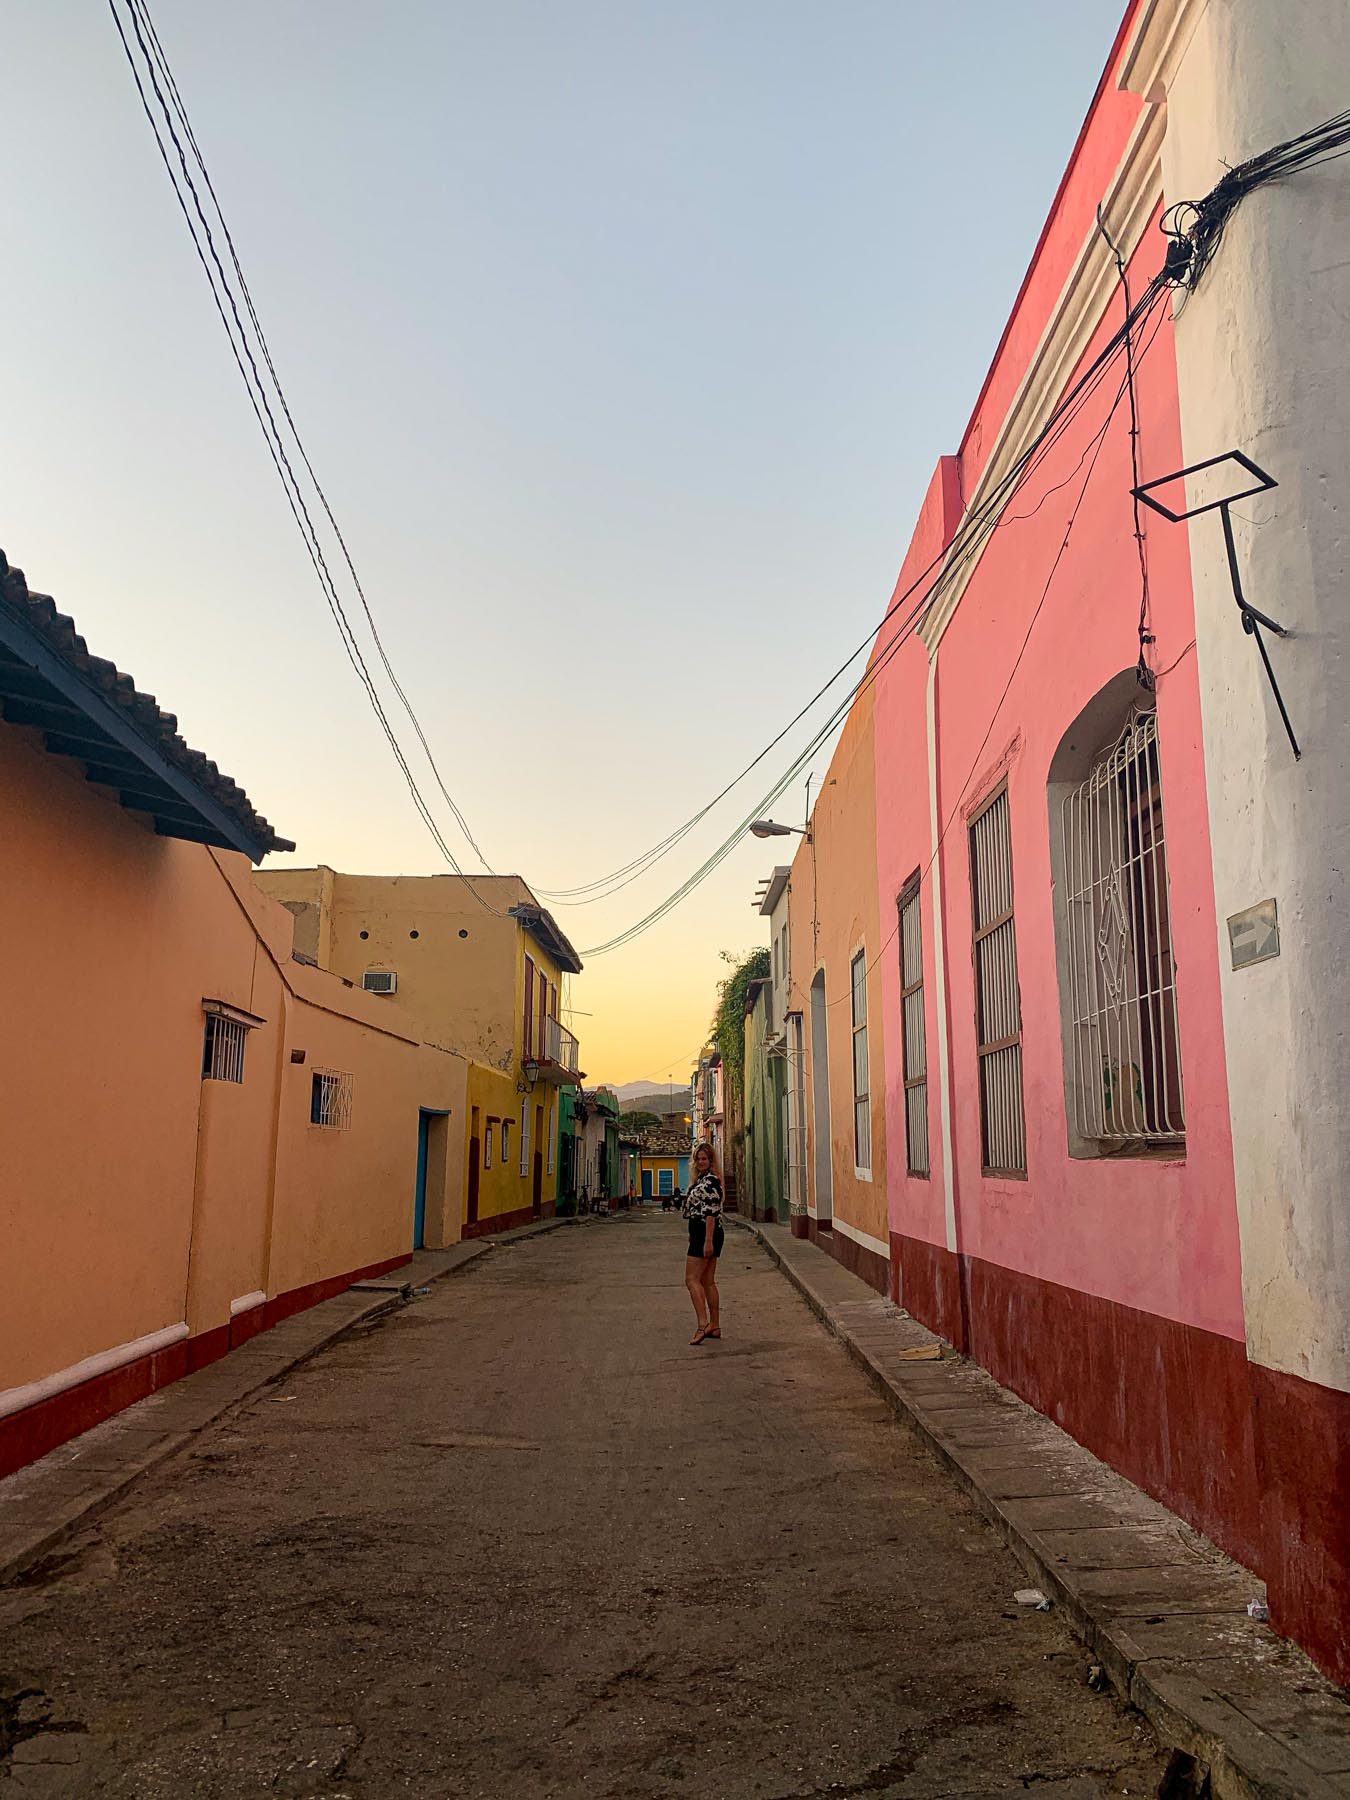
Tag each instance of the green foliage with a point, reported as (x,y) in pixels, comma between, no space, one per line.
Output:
(635,1123)
(728,1025)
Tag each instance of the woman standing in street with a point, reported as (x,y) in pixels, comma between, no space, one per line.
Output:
(703,1211)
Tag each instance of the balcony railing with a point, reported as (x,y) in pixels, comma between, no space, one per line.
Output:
(560,1054)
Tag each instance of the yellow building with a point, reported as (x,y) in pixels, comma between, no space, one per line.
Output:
(478,965)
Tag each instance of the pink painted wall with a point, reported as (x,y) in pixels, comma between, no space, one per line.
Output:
(1153,1236)
(903,844)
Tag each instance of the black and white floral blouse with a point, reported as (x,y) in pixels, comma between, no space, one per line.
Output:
(703,1198)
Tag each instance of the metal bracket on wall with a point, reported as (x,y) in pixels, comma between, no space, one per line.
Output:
(1256,481)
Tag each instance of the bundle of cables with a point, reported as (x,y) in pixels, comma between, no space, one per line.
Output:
(1196,227)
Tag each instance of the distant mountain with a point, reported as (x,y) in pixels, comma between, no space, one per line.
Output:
(641,1096)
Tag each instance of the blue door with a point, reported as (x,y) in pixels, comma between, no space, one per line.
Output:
(420,1203)
(646,1184)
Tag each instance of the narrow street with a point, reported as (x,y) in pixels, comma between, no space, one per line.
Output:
(520,1540)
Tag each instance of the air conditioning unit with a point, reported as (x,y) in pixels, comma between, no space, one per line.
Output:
(380,981)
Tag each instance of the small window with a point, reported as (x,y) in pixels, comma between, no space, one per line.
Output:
(223,1048)
(665,1181)
(913,1034)
(862,1101)
(998,997)
(506,1140)
(487,1143)
(330,1099)
(524,1138)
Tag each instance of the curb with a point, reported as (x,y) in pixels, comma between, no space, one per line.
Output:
(45,1502)
(1242,1702)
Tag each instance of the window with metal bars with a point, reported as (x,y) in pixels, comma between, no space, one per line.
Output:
(330,1099)
(998,999)
(913,1033)
(1121,973)
(862,1101)
(223,1048)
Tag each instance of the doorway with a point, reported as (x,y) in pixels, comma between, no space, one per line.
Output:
(475,1158)
(822,1159)
(537,1192)
(430,1187)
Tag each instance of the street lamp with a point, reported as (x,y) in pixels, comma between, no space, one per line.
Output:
(530,1069)
(767,828)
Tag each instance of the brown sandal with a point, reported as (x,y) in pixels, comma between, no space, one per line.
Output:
(714,1331)
(700,1334)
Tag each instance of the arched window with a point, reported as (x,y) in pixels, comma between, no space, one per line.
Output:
(1117,971)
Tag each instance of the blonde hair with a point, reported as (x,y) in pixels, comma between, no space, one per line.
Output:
(714,1167)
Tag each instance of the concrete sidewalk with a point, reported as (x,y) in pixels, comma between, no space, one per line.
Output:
(1161,1608)
(42,1503)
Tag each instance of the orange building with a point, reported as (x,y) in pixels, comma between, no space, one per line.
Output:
(205,1134)
(834,1007)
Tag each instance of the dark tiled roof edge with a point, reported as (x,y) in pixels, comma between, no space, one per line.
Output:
(160,729)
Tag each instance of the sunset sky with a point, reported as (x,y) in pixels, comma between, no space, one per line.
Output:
(624,338)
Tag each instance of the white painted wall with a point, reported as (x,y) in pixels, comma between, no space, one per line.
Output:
(1263,350)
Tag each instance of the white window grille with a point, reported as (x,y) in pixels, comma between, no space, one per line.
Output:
(862,1103)
(330,1099)
(524,1139)
(1122,974)
(223,1048)
(487,1143)
(998,998)
(506,1141)
(914,1032)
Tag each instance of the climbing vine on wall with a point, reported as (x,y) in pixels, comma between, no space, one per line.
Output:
(728,1025)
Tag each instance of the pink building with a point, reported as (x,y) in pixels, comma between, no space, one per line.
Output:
(1112,910)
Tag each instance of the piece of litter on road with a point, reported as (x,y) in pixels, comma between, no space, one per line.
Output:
(1257,1609)
(1032,1597)
(422,1290)
(921,1353)
(280,1399)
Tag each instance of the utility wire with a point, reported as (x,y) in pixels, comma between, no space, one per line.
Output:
(180,110)
(958,553)
(1095,446)
(1195,230)
(243,352)
(1144,672)
(965,544)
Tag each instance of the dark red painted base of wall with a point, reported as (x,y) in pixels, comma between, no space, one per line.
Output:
(1303,1464)
(1257,1460)
(801,1225)
(510,1221)
(927,1282)
(866,1264)
(27,1435)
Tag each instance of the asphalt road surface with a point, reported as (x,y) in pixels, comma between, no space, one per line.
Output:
(520,1540)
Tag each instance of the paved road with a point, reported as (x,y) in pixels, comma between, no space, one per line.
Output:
(519,1540)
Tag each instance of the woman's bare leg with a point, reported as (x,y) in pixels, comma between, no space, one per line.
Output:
(693,1280)
(712,1299)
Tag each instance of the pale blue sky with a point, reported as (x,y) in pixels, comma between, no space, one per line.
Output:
(624,337)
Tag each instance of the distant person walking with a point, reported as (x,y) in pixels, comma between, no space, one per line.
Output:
(703,1210)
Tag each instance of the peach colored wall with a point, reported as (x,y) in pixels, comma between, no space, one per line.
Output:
(834,915)
(136,1196)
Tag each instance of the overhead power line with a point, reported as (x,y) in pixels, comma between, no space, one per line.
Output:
(965,545)
(159,75)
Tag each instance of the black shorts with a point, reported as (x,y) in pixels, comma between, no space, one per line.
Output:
(698,1237)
